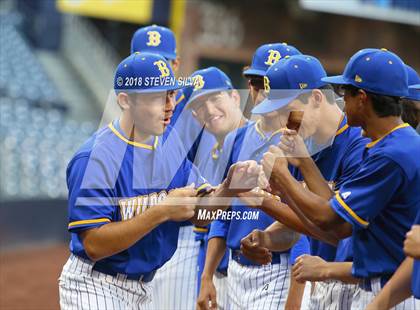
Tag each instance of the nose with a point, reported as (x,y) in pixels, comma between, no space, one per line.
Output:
(170,103)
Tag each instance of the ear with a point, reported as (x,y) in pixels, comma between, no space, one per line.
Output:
(317,97)
(123,101)
(175,64)
(194,113)
(236,98)
(364,103)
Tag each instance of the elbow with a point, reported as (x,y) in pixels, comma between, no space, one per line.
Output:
(91,250)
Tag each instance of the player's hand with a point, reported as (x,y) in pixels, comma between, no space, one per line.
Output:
(255,197)
(274,164)
(293,147)
(412,242)
(207,298)
(254,247)
(180,204)
(244,176)
(309,268)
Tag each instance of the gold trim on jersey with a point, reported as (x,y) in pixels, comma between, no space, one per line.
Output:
(101,220)
(261,133)
(142,145)
(350,211)
(370,144)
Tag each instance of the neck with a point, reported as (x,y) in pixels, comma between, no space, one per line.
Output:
(331,119)
(221,138)
(270,124)
(130,131)
(377,127)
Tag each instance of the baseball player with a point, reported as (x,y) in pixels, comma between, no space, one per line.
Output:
(295,85)
(250,285)
(179,273)
(124,224)
(216,105)
(314,268)
(378,203)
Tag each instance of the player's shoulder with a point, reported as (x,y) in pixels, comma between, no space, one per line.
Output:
(103,146)
(238,135)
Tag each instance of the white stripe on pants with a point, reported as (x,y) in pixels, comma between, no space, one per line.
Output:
(365,297)
(83,288)
(221,284)
(175,283)
(259,287)
(331,294)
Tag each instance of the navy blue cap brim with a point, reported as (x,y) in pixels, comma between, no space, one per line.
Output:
(415,86)
(204,92)
(252,71)
(271,105)
(337,79)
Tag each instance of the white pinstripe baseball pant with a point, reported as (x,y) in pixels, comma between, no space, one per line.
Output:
(365,297)
(175,283)
(83,288)
(332,295)
(259,287)
(221,284)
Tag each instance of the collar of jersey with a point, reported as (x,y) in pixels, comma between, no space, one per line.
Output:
(373,143)
(261,132)
(136,144)
(343,125)
(216,150)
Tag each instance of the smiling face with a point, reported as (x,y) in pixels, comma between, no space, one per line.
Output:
(218,112)
(151,113)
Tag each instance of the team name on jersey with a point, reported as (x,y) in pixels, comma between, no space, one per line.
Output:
(133,206)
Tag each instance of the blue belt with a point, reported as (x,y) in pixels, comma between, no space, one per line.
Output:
(147,277)
(238,257)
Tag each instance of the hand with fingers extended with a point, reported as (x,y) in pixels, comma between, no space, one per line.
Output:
(180,204)
(274,164)
(244,176)
(310,268)
(293,147)
(207,298)
(255,247)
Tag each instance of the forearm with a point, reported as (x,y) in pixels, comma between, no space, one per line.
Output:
(314,179)
(294,298)
(313,207)
(280,238)
(285,215)
(398,287)
(216,248)
(115,237)
(340,271)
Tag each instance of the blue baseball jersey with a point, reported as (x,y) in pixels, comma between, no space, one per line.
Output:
(415,277)
(337,163)
(113,179)
(248,142)
(381,202)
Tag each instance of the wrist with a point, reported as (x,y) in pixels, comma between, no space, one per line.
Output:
(206,276)
(305,163)
(159,214)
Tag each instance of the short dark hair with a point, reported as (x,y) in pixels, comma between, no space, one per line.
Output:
(410,112)
(330,91)
(383,105)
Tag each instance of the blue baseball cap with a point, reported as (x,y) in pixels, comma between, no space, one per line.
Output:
(413,80)
(287,79)
(207,81)
(267,55)
(155,39)
(144,73)
(375,70)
